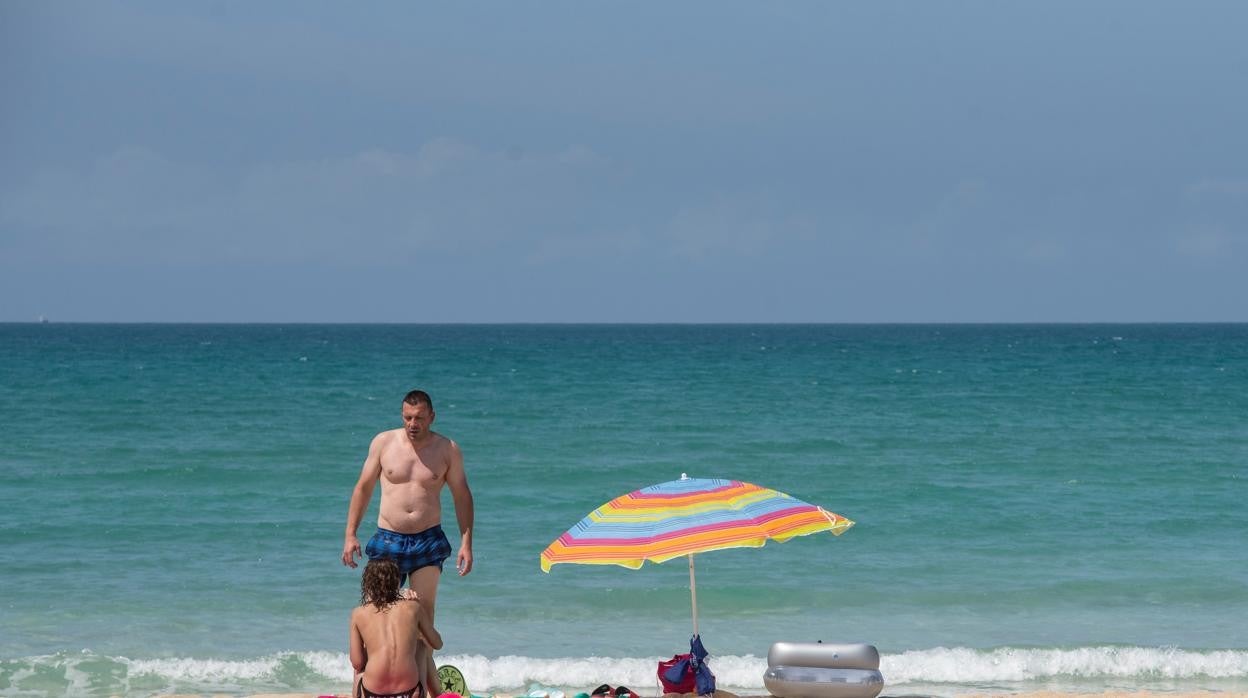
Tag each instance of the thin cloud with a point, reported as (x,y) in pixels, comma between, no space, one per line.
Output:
(1208,242)
(448,196)
(1234,188)
(733,227)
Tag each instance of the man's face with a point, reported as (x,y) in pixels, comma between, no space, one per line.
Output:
(416,419)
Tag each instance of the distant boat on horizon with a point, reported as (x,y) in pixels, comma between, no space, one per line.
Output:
(43,320)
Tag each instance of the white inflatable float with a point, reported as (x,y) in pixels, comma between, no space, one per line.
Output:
(823,670)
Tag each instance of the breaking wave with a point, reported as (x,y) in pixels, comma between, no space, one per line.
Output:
(87,673)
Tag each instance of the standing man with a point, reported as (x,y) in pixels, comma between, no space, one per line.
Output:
(412,464)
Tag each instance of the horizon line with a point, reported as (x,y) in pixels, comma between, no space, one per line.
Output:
(624,323)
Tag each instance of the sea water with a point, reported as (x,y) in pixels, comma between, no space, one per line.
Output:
(1037,505)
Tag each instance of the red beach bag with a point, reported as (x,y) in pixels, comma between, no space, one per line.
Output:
(687,683)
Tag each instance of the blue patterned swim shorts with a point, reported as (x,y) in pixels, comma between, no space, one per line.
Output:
(411,550)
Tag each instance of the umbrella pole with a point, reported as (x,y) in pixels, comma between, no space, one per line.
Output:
(693,593)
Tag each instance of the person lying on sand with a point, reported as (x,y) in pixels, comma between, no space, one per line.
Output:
(392,638)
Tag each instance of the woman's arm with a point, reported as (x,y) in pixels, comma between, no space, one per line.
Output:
(425,626)
(359,655)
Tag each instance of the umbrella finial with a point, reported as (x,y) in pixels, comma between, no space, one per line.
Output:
(684,476)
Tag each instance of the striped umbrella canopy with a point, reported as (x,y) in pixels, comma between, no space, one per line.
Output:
(684,517)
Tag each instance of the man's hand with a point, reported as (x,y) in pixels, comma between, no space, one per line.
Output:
(350,551)
(464,562)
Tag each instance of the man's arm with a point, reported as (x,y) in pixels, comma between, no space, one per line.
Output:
(457,479)
(425,626)
(360,497)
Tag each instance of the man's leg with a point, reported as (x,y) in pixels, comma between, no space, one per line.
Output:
(424,582)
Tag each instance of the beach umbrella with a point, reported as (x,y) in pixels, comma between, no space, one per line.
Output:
(687,516)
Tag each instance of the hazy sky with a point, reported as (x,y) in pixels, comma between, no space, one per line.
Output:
(624,162)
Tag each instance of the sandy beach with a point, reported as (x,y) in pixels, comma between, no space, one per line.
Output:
(726,694)
(1109,694)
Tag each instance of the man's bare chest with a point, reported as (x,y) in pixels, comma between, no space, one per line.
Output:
(401,463)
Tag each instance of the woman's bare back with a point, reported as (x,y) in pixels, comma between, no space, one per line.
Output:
(393,649)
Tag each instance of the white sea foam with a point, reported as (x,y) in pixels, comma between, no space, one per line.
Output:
(961,665)
(512,673)
(206,670)
(509,672)
(938,665)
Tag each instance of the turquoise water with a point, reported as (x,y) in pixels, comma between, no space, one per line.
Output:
(1036,505)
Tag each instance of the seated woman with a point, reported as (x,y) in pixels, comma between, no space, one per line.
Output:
(391,636)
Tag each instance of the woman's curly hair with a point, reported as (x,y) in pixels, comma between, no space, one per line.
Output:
(380,584)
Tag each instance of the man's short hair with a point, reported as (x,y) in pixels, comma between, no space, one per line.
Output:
(418,396)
